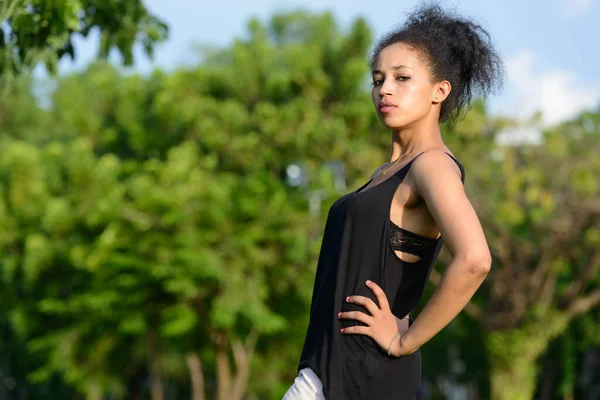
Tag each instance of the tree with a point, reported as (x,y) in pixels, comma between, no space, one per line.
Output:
(539,207)
(150,238)
(565,371)
(256,107)
(40,31)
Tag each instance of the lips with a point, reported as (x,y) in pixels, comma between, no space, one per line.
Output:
(385,107)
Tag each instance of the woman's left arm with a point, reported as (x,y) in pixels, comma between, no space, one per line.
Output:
(445,198)
(463,235)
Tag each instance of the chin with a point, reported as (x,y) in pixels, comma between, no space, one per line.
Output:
(393,123)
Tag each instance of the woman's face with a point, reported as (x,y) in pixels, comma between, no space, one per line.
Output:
(403,89)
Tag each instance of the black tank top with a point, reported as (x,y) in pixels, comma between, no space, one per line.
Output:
(358,244)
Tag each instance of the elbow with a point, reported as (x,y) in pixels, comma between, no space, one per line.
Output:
(478,266)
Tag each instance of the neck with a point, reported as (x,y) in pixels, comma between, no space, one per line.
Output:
(416,138)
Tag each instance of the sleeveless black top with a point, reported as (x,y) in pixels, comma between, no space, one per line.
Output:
(358,244)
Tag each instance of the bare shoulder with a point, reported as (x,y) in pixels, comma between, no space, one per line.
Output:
(437,180)
(436,166)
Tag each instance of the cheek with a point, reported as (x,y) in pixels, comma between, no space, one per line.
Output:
(414,97)
(411,93)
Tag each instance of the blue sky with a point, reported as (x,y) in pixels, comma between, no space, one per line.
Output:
(550,47)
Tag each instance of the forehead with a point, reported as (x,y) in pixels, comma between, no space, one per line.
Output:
(399,54)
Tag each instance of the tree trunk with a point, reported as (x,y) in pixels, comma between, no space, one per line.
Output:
(133,384)
(511,385)
(232,384)
(513,369)
(94,392)
(242,354)
(196,375)
(513,355)
(156,386)
(156,382)
(515,382)
(223,373)
(547,378)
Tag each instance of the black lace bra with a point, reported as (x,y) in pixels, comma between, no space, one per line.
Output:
(410,242)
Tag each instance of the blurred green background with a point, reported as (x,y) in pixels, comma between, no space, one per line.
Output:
(159,232)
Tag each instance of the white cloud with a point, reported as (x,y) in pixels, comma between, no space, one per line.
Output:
(519,135)
(575,8)
(558,94)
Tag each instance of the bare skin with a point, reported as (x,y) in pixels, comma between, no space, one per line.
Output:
(430,201)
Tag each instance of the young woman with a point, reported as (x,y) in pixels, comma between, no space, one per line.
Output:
(381,241)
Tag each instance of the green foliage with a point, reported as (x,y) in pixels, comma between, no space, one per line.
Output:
(146,219)
(42,31)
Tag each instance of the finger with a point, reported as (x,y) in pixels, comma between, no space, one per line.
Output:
(356,315)
(365,302)
(356,330)
(380,295)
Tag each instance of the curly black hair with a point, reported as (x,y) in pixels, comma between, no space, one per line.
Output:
(456,49)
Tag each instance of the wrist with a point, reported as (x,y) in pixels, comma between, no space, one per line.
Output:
(392,346)
(397,348)
(406,345)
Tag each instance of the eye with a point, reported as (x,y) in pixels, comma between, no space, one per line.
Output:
(377,82)
(403,78)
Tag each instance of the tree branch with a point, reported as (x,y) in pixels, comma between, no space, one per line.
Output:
(8,9)
(196,375)
(559,231)
(584,304)
(499,284)
(540,273)
(242,354)
(591,205)
(223,366)
(590,269)
(548,289)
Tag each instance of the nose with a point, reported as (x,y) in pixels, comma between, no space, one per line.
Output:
(386,87)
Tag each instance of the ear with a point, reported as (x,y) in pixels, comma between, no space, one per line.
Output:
(441,91)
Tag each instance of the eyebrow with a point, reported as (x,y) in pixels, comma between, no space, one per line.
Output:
(395,67)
